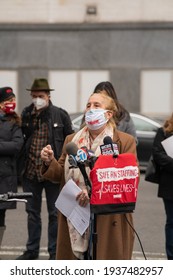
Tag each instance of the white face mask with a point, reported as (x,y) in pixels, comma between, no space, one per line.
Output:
(39,103)
(95,118)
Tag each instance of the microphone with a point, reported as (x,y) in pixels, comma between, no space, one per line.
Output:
(91,158)
(71,150)
(109,148)
(75,155)
(77,158)
(81,155)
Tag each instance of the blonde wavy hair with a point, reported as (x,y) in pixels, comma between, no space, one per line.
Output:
(168,125)
(110,105)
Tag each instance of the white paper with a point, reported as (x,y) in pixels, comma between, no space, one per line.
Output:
(168,146)
(66,203)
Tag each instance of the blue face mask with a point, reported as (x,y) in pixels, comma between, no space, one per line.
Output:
(95,118)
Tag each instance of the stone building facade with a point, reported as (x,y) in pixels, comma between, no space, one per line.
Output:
(76,44)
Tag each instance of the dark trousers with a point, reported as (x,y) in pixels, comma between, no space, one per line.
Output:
(33,208)
(169,228)
(2,217)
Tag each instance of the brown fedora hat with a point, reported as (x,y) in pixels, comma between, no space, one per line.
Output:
(40,85)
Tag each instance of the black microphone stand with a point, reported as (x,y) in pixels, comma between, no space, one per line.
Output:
(94,227)
(94,236)
(81,166)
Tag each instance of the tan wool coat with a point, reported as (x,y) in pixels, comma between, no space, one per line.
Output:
(115,236)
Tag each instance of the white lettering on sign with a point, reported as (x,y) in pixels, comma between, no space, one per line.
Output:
(117,189)
(116,174)
(114,181)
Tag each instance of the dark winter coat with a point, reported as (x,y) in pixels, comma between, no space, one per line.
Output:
(127,125)
(11,141)
(59,126)
(165,163)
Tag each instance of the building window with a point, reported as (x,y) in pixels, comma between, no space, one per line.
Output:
(10,79)
(73,88)
(156,92)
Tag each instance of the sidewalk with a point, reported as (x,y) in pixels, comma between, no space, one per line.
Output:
(11,253)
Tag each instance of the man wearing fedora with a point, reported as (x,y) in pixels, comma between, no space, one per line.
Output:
(42,124)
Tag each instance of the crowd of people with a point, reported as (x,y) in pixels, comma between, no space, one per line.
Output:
(21,141)
(39,137)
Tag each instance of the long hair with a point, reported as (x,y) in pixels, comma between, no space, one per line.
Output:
(14,118)
(168,125)
(110,91)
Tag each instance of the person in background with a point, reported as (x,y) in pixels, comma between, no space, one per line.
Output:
(165,190)
(115,235)
(11,141)
(123,119)
(42,123)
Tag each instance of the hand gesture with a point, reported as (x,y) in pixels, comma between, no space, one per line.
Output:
(47,154)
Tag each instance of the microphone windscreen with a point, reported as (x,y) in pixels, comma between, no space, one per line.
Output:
(71,148)
(107,140)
